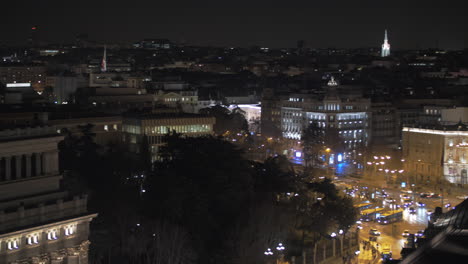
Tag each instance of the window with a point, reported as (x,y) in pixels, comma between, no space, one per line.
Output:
(115,126)
(13,244)
(69,230)
(52,235)
(106,127)
(33,239)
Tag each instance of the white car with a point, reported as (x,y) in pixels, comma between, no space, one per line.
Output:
(374,232)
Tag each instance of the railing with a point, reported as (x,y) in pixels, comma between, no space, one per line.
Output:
(43,213)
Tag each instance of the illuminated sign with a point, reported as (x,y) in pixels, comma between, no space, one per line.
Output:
(18,85)
(340,157)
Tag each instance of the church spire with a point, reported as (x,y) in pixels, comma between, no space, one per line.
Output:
(104,61)
(385,46)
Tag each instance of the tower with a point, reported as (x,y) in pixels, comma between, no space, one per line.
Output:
(385,46)
(104,61)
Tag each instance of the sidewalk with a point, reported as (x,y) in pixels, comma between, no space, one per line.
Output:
(366,256)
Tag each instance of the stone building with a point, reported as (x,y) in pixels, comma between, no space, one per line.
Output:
(339,108)
(39,221)
(436,155)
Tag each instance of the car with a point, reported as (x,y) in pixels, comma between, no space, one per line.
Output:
(424,195)
(420,204)
(374,232)
(420,233)
(407,203)
(386,252)
(405,196)
(405,233)
(359,224)
(462,197)
(429,212)
(412,210)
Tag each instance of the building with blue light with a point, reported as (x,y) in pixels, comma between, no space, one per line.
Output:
(348,113)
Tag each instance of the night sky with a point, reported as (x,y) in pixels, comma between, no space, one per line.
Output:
(331,23)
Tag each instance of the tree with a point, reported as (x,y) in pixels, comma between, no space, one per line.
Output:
(312,139)
(226,121)
(204,185)
(316,218)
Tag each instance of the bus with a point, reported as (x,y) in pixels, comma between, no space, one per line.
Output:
(363,206)
(371,214)
(390,217)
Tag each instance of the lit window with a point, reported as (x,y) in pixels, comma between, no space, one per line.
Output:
(13,244)
(106,127)
(69,230)
(52,235)
(33,239)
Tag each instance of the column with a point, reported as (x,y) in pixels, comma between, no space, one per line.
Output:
(45,163)
(334,247)
(28,165)
(7,168)
(18,166)
(54,162)
(38,164)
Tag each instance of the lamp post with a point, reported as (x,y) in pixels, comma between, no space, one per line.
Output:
(280,248)
(268,253)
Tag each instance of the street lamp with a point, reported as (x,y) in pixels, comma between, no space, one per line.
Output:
(280,247)
(268,252)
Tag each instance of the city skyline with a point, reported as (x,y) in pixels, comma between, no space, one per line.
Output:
(338,24)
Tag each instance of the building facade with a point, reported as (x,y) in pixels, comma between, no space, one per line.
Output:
(437,155)
(155,126)
(39,221)
(350,115)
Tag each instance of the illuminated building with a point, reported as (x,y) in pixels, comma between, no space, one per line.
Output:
(153,44)
(252,114)
(155,126)
(385,46)
(176,94)
(39,221)
(104,61)
(436,155)
(349,115)
(35,75)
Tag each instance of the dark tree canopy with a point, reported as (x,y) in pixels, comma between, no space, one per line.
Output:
(226,121)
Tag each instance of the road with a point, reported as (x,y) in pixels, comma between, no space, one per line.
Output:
(392,233)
